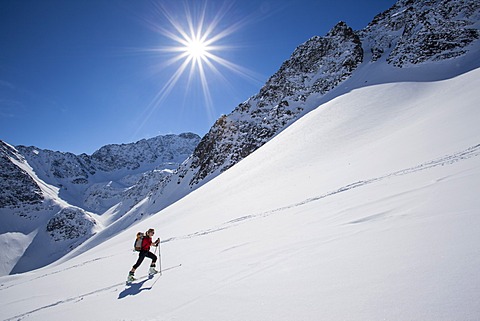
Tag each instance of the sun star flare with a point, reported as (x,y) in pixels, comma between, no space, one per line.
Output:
(192,45)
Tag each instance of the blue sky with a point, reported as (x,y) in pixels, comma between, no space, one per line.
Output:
(77,75)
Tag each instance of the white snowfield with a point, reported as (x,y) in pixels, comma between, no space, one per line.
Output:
(367,208)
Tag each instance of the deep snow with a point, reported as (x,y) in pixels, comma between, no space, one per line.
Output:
(367,208)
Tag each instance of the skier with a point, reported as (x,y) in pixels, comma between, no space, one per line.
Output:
(145,252)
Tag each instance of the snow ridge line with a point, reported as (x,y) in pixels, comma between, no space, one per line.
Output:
(468,153)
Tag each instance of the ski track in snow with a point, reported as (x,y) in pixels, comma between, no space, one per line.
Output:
(76,298)
(468,153)
(80,297)
(2,287)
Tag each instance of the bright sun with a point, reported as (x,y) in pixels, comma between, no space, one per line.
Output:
(195,41)
(197,49)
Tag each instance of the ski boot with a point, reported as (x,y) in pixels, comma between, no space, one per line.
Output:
(130,278)
(152,270)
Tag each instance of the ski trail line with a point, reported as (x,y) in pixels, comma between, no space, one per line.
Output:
(78,297)
(468,153)
(2,287)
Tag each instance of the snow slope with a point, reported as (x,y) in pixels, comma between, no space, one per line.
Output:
(366,208)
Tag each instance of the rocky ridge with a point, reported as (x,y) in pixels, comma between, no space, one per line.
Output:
(316,66)
(16,185)
(410,33)
(105,177)
(414,32)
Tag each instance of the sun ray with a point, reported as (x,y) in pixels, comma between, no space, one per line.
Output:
(164,92)
(197,40)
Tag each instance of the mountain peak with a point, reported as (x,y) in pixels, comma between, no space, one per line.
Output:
(340,29)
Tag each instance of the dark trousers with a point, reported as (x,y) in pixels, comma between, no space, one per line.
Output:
(142,256)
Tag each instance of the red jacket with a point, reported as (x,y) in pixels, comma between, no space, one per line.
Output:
(146,243)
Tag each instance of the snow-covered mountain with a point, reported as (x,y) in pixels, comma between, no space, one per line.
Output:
(50,202)
(96,182)
(410,34)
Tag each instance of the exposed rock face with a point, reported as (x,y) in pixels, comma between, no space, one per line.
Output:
(16,185)
(420,31)
(70,223)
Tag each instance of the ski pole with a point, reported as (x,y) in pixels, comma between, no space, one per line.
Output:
(159,258)
(156,249)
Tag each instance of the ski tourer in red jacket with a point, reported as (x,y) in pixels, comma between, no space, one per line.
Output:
(145,252)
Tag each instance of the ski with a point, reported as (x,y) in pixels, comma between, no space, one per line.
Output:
(150,275)
(131,281)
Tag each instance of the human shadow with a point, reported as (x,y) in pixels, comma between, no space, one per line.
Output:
(134,289)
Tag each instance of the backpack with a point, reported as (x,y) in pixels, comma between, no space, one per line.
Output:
(137,245)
